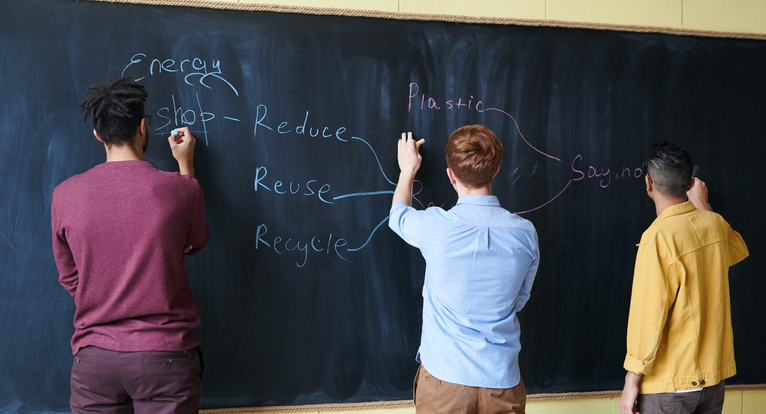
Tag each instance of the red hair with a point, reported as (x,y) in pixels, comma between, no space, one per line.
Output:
(474,154)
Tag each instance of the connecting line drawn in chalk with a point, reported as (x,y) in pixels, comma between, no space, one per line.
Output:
(231,119)
(520,134)
(363,194)
(205,75)
(547,202)
(371,234)
(376,159)
(369,193)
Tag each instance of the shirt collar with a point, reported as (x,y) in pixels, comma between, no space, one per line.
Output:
(677,209)
(478,200)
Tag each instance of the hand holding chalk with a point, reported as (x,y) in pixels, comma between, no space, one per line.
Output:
(182,144)
(177,136)
(698,194)
(408,155)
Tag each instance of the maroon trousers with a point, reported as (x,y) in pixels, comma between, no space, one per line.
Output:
(112,382)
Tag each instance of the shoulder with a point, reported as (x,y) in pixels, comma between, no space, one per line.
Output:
(712,217)
(402,208)
(177,180)
(517,221)
(504,218)
(76,182)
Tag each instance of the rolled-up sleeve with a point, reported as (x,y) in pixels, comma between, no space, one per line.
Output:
(737,247)
(407,222)
(648,310)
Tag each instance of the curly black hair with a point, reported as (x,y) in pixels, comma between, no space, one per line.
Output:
(116,108)
(670,169)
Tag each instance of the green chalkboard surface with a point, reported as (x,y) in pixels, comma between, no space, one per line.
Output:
(305,294)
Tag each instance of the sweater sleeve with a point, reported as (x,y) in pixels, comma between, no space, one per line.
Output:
(68,275)
(198,234)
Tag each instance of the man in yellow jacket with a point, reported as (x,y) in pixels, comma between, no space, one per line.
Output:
(680,340)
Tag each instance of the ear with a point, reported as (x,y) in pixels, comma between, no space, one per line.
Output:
(451,176)
(496,172)
(143,127)
(691,184)
(95,134)
(649,184)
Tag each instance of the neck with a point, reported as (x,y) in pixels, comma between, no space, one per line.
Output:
(123,153)
(480,191)
(663,202)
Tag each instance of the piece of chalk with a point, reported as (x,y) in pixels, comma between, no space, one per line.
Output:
(421,141)
(695,170)
(174,132)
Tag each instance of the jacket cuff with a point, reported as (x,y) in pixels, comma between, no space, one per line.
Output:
(639,367)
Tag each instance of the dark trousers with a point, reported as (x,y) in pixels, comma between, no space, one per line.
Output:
(112,382)
(707,401)
(434,396)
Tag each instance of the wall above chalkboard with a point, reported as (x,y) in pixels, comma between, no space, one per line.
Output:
(305,295)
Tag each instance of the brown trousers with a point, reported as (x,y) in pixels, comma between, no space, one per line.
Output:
(434,396)
(707,401)
(112,382)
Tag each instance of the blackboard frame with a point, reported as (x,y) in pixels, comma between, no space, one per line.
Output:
(402,16)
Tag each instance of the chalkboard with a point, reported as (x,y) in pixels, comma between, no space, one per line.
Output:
(305,295)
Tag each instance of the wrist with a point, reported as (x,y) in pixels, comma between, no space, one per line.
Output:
(406,176)
(631,378)
(186,169)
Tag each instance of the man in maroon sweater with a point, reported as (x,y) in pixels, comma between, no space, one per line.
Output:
(120,231)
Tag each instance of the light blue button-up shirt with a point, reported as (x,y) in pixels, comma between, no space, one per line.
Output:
(481,261)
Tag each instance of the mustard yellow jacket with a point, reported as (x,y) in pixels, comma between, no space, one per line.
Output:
(679,328)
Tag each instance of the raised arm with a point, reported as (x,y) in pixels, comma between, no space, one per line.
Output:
(409,158)
(182,145)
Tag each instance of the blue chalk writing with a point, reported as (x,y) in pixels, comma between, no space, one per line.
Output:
(371,234)
(293,187)
(300,129)
(302,248)
(191,68)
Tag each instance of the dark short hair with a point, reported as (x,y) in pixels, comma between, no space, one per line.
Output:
(474,154)
(670,169)
(115,108)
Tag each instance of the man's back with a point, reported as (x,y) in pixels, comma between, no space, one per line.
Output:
(119,236)
(682,275)
(480,265)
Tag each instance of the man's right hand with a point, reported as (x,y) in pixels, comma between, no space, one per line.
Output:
(182,146)
(408,155)
(698,195)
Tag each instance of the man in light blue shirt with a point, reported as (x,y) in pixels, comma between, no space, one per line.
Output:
(481,261)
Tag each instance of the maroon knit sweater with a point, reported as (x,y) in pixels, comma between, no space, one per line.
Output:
(119,232)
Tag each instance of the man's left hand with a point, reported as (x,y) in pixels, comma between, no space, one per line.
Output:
(630,394)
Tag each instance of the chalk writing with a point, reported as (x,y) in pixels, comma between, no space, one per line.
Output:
(309,187)
(299,129)
(180,117)
(427,102)
(192,68)
(601,174)
(280,245)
